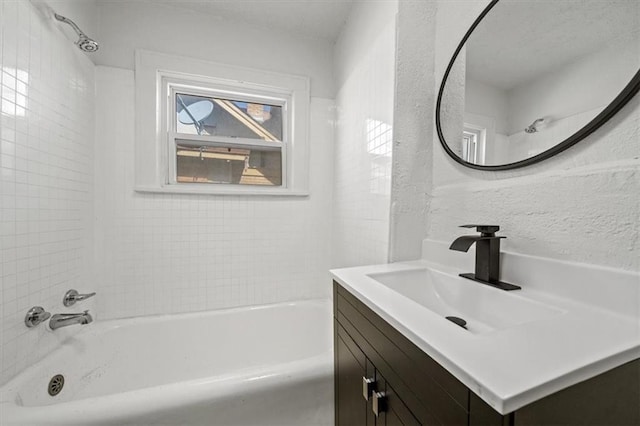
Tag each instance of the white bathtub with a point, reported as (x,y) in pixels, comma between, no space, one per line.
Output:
(268,365)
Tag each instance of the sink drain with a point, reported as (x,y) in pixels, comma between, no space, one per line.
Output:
(56,384)
(458,321)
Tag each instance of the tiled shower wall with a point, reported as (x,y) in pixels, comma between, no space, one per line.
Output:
(364,64)
(163,253)
(46,180)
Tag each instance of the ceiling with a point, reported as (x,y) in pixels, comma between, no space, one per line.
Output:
(322,19)
(519,40)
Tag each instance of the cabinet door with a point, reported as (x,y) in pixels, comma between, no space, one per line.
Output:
(350,369)
(609,399)
(431,393)
(393,411)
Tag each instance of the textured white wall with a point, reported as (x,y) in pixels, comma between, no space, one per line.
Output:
(581,205)
(162,253)
(46,178)
(364,69)
(413,107)
(130,25)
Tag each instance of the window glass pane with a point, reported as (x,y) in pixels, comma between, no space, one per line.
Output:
(200,115)
(231,165)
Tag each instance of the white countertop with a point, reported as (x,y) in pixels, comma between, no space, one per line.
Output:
(597,330)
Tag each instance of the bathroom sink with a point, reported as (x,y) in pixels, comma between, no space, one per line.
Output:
(484,309)
(568,323)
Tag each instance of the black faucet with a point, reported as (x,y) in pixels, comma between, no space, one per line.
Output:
(487,255)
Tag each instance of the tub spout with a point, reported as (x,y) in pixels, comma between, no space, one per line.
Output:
(63,320)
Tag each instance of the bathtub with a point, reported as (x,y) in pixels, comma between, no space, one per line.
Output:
(266,365)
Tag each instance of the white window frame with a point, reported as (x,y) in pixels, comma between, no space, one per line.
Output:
(171,86)
(469,146)
(160,76)
(479,136)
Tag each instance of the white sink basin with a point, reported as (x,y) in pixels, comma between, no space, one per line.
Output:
(484,308)
(569,322)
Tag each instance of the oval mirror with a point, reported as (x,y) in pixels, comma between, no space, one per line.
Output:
(530,79)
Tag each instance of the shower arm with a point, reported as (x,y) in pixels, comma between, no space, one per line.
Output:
(84,43)
(70,22)
(532,127)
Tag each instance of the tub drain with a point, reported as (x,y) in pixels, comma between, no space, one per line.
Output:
(56,384)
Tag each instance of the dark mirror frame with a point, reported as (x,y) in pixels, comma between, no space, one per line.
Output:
(623,97)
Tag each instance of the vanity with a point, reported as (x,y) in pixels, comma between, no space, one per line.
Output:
(558,351)
(548,342)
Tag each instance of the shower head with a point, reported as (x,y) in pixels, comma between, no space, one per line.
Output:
(85,43)
(532,128)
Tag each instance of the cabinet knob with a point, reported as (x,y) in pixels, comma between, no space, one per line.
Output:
(368,387)
(379,403)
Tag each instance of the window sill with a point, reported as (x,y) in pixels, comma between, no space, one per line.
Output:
(199,189)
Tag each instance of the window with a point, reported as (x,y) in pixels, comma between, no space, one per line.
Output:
(219,129)
(469,146)
(225,137)
(473,143)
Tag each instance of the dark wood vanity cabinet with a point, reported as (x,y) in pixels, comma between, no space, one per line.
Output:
(355,406)
(350,368)
(416,390)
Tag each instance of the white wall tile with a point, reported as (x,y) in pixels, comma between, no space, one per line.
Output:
(163,253)
(364,128)
(46,178)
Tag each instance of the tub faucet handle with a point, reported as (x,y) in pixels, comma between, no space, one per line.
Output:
(72,296)
(35,316)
